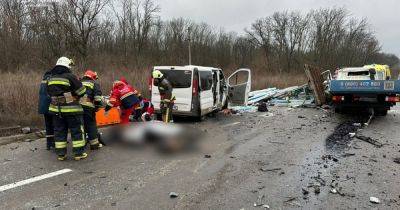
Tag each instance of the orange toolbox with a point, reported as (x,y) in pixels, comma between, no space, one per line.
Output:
(112,118)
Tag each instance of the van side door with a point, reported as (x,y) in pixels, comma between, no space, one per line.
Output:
(239,85)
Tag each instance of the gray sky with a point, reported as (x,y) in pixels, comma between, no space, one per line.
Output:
(235,15)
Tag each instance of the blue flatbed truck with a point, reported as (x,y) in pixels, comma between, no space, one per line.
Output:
(356,89)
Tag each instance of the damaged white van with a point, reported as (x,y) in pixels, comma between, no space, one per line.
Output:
(202,90)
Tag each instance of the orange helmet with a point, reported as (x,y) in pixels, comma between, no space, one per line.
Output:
(91,74)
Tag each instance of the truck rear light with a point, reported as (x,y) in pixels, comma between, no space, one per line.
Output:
(392,99)
(337,98)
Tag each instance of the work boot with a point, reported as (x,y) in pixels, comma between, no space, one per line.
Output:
(96,146)
(80,156)
(50,145)
(62,157)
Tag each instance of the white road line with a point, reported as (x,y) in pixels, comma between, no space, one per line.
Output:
(33,179)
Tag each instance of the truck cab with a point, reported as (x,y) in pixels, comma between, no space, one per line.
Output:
(367,87)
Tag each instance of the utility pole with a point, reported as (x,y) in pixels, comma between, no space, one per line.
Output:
(189,45)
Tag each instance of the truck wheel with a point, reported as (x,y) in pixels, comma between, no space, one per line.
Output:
(380,112)
(338,110)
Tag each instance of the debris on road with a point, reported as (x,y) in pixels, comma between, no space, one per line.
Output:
(265,206)
(262,107)
(261,202)
(271,169)
(352,135)
(305,191)
(262,95)
(348,154)
(296,96)
(207,156)
(26,130)
(374,200)
(370,140)
(173,195)
(396,160)
(340,138)
(317,189)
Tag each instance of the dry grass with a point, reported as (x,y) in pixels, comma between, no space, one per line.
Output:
(19,95)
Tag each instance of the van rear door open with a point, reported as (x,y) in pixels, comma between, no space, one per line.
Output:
(181,81)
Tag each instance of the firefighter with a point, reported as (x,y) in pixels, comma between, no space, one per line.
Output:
(65,90)
(167,99)
(124,96)
(145,111)
(44,103)
(91,102)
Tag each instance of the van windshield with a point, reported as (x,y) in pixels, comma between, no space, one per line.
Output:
(178,78)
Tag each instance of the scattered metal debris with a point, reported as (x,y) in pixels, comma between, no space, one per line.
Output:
(261,202)
(370,140)
(374,200)
(271,169)
(173,195)
(305,191)
(26,130)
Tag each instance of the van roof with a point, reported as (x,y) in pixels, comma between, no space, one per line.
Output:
(188,67)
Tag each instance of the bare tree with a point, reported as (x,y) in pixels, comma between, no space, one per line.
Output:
(80,18)
(261,35)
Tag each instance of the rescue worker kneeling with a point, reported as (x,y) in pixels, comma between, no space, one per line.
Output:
(65,90)
(91,102)
(144,112)
(167,99)
(124,96)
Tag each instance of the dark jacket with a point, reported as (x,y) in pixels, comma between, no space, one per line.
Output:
(165,88)
(93,93)
(62,83)
(44,98)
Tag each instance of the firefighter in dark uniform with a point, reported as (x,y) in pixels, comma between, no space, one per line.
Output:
(91,102)
(44,103)
(167,99)
(65,90)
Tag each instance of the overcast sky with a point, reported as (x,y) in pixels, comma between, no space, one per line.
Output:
(235,15)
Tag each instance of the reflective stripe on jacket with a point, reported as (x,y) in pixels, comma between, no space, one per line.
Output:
(62,83)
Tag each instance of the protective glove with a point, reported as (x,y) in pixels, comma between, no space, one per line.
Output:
(107,108)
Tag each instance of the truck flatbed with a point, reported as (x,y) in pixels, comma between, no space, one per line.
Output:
(364,87)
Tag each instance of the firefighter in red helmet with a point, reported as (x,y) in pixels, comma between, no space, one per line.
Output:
(91,102)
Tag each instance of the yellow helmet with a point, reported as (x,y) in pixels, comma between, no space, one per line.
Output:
(157,74)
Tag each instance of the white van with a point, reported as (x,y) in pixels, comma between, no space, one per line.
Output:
(202,90)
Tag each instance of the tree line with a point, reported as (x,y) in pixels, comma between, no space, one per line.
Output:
(111,34)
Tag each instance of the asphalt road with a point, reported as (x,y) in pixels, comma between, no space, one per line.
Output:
(279,160)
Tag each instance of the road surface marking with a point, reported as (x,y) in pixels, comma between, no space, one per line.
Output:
(33,179)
